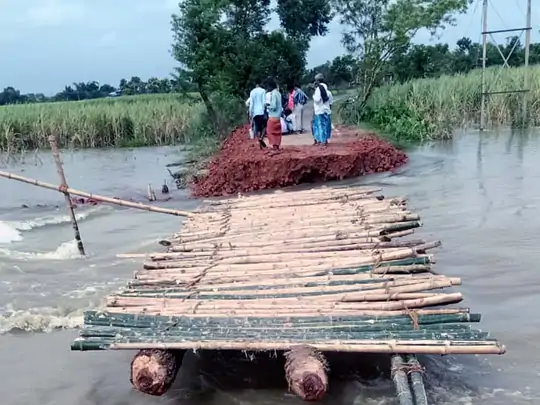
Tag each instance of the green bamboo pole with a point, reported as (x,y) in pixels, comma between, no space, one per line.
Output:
(417,381)
(194,335)
(401,381)
(117,319)
(427,347)
(258,342)
(345,331)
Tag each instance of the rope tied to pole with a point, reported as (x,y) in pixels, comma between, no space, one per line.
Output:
(408,368)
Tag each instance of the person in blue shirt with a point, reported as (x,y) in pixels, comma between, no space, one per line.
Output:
(257,110)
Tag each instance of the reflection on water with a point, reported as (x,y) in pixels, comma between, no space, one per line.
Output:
(479,194)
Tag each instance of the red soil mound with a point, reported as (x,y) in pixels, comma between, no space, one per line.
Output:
(241,166)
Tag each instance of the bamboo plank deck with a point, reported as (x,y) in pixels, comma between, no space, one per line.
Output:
(325,268)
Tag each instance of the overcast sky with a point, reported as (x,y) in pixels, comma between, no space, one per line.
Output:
(46,44)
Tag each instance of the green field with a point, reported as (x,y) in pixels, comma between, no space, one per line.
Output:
(451,102)
(146,120)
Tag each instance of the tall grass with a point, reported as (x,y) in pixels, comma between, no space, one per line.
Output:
(454,101)
(114,122)
(439,106)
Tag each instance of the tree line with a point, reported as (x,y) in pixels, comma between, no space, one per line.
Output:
(414,62)
(426,61)
(92,90)
(224,46)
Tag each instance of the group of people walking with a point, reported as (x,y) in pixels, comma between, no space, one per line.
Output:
(273,114)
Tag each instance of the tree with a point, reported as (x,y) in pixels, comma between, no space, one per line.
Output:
(222,45)
(339,72)
(199,40)
(303,19)
(378,29)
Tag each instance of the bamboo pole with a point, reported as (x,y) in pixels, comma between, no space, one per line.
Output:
(383,273)
(276,237)
(362,346)
(292,313)
(312,242)
(223,243)
(283,194)
(345,293)
(275,306)
(249,226)
(207,276)
(297,200)
(401,381)
(63,189)
(278,270)
(395,205)
(215,233)
(208,280)
(226,250)
(341,250)
(257,256)
(96,197)
(417,381)
(372,257)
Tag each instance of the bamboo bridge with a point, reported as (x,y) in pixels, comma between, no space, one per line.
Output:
(303,272)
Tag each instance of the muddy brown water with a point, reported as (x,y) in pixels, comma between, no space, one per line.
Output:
(479,195)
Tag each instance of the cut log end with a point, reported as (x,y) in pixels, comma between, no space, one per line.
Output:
(306,373)
(153,371)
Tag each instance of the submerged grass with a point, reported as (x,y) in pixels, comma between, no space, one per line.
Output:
(114,122)
(429,109)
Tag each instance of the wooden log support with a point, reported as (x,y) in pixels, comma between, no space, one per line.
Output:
(153,371)
(305,372)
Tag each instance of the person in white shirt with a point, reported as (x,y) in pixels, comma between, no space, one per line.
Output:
(322,110)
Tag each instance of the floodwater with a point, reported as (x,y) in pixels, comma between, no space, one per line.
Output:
(479,195)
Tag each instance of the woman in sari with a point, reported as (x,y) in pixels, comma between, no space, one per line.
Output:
(322,121)
(275,109)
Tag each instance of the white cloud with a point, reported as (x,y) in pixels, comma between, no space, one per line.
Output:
(107,39)
(52,13)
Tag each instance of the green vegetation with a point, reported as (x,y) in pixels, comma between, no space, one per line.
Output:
(114,122)
(431,90)
(450,102)
(429,109)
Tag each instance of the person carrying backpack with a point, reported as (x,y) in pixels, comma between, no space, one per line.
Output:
(299,100)
(322,102)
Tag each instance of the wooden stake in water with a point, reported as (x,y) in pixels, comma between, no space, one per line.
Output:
(63,189)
